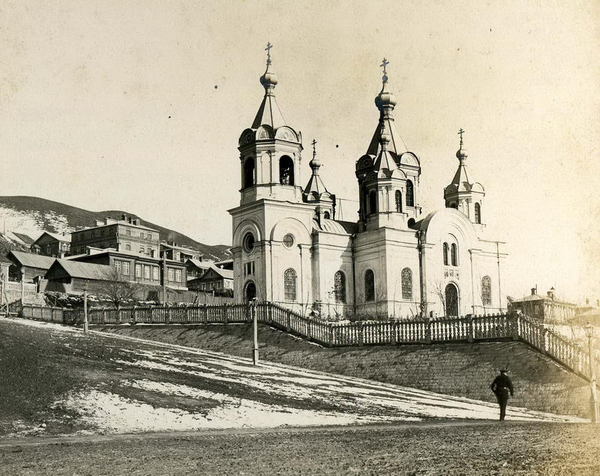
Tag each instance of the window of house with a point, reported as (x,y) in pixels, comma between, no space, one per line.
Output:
(406,278)
(171,274)
(454,254)
(289,284)
(477,213)
(155,276)
(118,265)
(127,247)
(410,194)
(125,268)
(486,291)
(339,287)
(446,254)
(369,285)
(398,201)
(147,272)
(138,271)
(178,275)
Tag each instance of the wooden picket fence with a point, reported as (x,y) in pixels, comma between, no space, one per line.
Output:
(333,334)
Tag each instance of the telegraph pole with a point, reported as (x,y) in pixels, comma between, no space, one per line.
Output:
(85,309)
(254,332)
(589,331)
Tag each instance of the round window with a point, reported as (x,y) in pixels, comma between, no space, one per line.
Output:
(248,242)
(288,240)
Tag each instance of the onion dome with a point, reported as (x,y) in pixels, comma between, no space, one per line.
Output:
(385,98)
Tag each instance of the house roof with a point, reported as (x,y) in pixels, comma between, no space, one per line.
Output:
(28,240)
(32,260)
(77,269)
(223,273)
(66,238)
(203,265)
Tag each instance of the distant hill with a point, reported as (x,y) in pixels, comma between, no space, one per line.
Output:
(29,216)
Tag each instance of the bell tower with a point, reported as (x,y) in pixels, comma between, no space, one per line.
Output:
(461,193)
(388,174)
(316,193)
(270,151)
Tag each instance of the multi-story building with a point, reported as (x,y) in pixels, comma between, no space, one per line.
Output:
(139,268)
(546,308)
(126,234)
(52,244)
(175,252)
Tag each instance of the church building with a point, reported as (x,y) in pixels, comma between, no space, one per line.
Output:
(393,262)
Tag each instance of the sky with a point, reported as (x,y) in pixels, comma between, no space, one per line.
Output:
(139,106)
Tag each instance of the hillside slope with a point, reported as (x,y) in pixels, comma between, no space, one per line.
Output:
(464,370)
(32,215)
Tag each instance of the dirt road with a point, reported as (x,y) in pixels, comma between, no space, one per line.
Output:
(415,448)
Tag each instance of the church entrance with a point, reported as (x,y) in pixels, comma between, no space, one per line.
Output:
(250,291)
(451,300)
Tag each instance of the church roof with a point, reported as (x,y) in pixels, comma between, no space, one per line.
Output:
(460,182)
(269,112)
(315,189)
(336,226)
(385,102)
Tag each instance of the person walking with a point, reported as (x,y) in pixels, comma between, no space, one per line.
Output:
(502,386)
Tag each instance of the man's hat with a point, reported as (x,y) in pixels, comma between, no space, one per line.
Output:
(503,370)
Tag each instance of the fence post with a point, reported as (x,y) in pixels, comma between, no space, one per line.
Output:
(205,312)
(428,332)
(471,330)
(288,321)
(270,312)
(132,321)
(361,335)
(168,314)
(226,309)
(330,334)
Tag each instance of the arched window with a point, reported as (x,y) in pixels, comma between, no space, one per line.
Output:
(454,254)
(486,291)
(339,287)
(406,277)
(454,205)
(286,170)
(446,254)
(289,284)
(410,194)
(477,213)
(249,172)
(398,201)
(369,285)
(372,201)
(127,247)
(326,215)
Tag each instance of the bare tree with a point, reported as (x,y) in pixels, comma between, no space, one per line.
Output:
(440,292)
(116,289)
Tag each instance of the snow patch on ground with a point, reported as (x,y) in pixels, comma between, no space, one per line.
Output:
(112,413)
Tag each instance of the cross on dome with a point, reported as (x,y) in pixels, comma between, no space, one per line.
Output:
(460,133)
(268,50)
(314,144)
(384,64)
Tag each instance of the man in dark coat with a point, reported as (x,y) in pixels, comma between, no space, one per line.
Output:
(502,386)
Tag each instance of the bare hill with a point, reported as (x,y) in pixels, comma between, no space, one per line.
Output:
(32,215)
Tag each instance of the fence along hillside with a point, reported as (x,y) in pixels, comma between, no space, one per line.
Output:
(332,334)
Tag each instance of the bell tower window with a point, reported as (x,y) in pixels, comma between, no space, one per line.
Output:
(398,201)
(249,172)
(478,213)
(410,194)
(372,201)
(446,254)
(286,170)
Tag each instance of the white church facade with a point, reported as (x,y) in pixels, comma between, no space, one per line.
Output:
(393,262)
